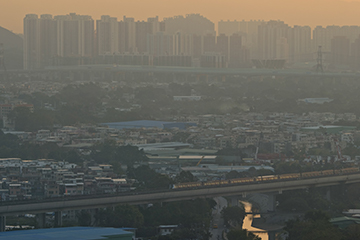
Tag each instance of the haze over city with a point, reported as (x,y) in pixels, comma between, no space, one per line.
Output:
(175,120)
(293,12)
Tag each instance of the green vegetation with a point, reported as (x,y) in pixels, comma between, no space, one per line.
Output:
(109,153)
(332,199)
(192,217)
(92,103)
(148,179)
(314,226)
(185,176)
(241,234)
(120,216)
(233,216)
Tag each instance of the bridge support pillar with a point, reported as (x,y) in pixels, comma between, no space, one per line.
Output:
(41,220)
(234,201)
(94,213)
(328,194)
(2,223)
(272,202)
(58,219)
(272,235)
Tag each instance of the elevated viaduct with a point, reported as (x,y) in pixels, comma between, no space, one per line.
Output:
(118,72)
(93,202)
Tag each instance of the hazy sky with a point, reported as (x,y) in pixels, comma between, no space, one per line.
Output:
(293,12)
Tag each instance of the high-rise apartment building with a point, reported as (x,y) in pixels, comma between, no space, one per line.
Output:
(31,42)
(197,45)
(183,44)
(75,34)
(340,50)
(143,29)
(49,41)
(228,27)
(355,53)
(129,32)
(299,41)
(71,40)
(160,44)
(269,39)
(248,30)
(209,43)
(190,24)
(222,43)
(107,35)
(282,48)
(322,37)
(235,59)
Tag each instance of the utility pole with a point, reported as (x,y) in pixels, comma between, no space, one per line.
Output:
(319,65)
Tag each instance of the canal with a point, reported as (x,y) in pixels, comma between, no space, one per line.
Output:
(248,222)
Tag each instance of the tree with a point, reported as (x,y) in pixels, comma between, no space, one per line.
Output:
(147,178)
(230,152)
(192,216)
(234,174)
(109,153)
(185,176)
(314,226)
(352,232)
(121,216)
(233,216)
(84,218)
(241,234)
(181,137)
(21,116)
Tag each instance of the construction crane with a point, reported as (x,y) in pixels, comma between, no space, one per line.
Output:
(338,149)
(200,160)
(257,147)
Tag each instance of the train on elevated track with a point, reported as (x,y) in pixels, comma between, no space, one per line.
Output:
(266,178)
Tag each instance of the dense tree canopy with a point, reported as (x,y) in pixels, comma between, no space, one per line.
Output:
(121,216)
(109,153)
(315,226)
(233,216)
(241,234)
(147,178)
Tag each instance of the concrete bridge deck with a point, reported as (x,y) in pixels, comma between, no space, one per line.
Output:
(184,70)
(57,205)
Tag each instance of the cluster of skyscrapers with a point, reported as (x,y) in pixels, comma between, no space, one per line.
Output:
(189,40)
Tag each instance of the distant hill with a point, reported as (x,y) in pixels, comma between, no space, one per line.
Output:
(13,46)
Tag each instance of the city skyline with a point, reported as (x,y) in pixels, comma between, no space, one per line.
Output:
(180,41)
(322,12)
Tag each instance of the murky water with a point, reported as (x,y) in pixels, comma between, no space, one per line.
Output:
(248,221)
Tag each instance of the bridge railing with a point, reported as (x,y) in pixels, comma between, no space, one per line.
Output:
(267,178)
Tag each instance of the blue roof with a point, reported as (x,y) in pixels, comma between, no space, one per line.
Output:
(148,124)
(73,233)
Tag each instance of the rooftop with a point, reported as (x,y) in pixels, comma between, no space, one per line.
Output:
(74,233)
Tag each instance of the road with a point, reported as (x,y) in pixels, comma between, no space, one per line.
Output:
(217,219)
